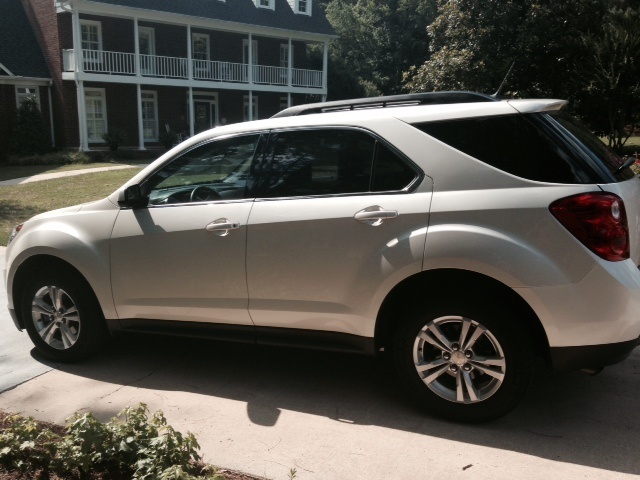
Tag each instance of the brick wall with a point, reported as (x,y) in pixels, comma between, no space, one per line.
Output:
(117,33)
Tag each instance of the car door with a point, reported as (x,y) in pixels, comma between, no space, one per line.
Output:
(341,218)
(182,257)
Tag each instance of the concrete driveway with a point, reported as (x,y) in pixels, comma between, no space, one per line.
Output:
(266,410)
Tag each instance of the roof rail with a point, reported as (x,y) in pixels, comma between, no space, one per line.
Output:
(432,98)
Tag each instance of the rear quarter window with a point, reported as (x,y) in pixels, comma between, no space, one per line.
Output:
(522,145)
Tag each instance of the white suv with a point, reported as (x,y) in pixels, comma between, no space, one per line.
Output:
(463,234)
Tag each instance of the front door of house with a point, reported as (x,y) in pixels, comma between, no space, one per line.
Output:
(205,115)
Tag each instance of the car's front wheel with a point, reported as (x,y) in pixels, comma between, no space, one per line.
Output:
(62,316)
(463,361)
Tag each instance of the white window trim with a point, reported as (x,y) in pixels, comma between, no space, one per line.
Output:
(154,99)
(96,24)
(152,38)
(245,105)
(106,123)
(20,95)
(300,12)
(245,51)
(204,36)
(271,4)
(295,6)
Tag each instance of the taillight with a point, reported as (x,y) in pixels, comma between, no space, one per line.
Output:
(598,220)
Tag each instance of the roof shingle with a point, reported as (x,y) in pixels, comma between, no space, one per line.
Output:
(239,11)
(19,49)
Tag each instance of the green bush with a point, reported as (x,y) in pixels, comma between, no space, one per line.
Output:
(31,135)
(115,137)
(132,445)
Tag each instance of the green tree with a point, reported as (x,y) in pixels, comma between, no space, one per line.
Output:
(31,134)
(473,42)
(610,75)
(377,41)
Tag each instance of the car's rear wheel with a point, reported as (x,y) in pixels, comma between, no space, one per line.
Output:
(62,316)
(463,361)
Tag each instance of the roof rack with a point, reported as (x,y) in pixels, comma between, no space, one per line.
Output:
(432,98)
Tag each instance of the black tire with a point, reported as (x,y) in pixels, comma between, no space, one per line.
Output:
(496,369)
(74,329)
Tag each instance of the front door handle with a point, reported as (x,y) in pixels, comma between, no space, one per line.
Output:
(221,227)
(375,215)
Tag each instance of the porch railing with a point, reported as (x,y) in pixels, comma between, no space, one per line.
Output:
(121,63)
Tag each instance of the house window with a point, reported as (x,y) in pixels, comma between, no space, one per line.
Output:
(303,6)
(245,51)
(22,93)
(150,116)
(200,46)
(264,4)
(246,108)
(91,41)
(96,108)
(200,53)
(284,55)
(147,43)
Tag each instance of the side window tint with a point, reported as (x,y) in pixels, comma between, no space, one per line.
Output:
(515,144)
(320,162)
(219,170)
(390,172)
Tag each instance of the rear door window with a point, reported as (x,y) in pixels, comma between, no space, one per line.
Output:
(332,161)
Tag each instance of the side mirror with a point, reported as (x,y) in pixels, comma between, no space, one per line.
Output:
(133,197)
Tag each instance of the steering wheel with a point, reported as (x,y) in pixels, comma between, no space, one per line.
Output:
(203,193)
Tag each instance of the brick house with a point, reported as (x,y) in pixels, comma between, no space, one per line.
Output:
(21,75)
(148,66)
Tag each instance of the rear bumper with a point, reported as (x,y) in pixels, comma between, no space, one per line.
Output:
(565,359)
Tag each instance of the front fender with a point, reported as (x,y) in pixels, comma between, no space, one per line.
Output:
(79,238)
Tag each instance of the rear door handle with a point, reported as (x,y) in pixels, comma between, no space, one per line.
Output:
(221,227)
(375,215)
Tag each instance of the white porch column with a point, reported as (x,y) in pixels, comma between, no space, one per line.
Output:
(140,123)
(136,45)
(288,99)
(325,70)
(189,59)
(250,99)
(250,60)
(192,114)
(77,40)
(290,64)
(82,117)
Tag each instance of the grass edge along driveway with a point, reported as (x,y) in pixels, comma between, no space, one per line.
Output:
(18,203)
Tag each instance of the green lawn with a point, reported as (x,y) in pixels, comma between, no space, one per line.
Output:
(20,202)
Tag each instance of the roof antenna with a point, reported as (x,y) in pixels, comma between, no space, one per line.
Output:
(504,81)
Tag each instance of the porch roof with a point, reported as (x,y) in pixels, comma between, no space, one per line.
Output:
(239,11)
(20,52)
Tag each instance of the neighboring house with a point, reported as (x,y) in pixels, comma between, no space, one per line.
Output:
(145,66)
(22,74)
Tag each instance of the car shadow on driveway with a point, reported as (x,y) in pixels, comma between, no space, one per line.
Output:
(572,418)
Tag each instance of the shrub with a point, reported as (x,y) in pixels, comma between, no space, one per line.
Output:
(31,135)
(114,137)
(133,445)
